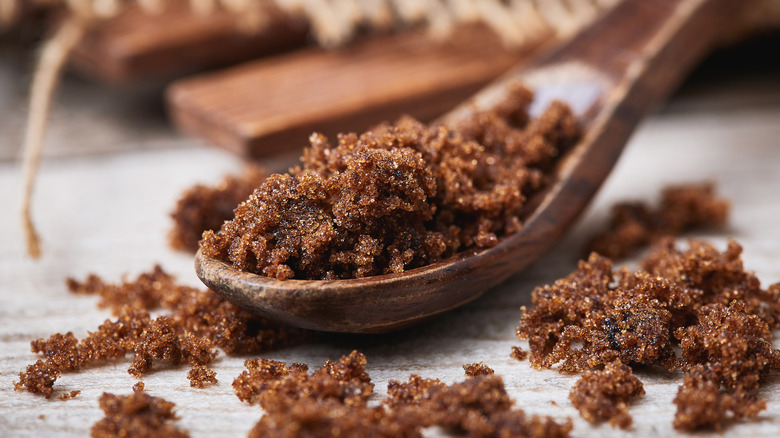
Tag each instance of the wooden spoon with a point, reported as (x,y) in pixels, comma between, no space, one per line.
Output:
(612,75)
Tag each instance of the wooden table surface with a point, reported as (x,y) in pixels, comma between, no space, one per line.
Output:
(113,171)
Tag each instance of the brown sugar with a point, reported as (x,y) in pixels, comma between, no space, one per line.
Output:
(728,353)
(518,353)
(633,316)
(397,197)
(138,414)
(265,376)
(478,406)
(703,404)
(148,291)
(269,382)
(60,349)
(328,418)
(198,323)
(735,346)
(39,378)
(699,299)
(477,369)
(635,224)
(413,392)
(334,398)
(710,276)
(200,312)
(627,322)
(605,394)
(200,376)
(203,208)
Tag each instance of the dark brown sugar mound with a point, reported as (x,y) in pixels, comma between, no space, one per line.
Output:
(703,404)
(202,208)
(136,415)
(728,354)
(604,394)
(635,224)
(198,322)
(736,346)
(478,406)
(613,316)
(699,299)
(332,401)
(269,382)
(397,197)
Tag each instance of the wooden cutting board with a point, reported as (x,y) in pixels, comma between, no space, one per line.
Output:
(270,105)
(137,45)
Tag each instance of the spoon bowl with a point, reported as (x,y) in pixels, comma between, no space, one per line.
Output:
(611,75)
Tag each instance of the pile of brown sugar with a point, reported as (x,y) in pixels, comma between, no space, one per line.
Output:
(136,415)
(202,208)
(727,356)
(699,299)
(702,403)
(604,394)
(634,224)
(335,398)
(267,381)
(197,324)
(477,369)
(397,197)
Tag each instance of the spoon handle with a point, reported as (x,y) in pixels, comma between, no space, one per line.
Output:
(636,56)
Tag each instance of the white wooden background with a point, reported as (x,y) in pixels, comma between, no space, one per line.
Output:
(114,170)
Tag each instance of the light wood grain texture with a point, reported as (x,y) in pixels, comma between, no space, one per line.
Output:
(271,105)
(612,75)
(106,212)
(138,45)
